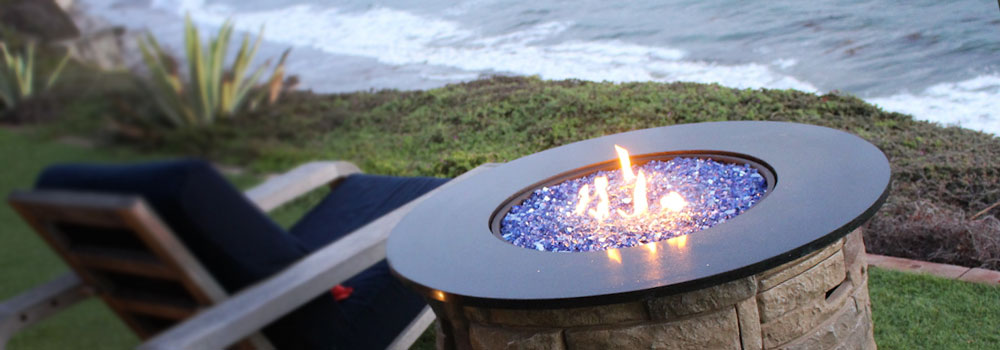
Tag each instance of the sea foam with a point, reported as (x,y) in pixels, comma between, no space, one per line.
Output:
(972,104)
(399,37)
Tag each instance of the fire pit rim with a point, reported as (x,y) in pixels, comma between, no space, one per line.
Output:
(445,250)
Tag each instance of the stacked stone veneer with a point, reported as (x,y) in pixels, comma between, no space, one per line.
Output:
(819,301)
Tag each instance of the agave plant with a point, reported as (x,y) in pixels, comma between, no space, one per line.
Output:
(209,91)
(17,75)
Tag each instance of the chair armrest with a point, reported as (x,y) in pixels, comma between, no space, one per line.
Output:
(280,189)
(40,302)
(259,305)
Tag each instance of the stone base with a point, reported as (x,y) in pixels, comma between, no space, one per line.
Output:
(819,301)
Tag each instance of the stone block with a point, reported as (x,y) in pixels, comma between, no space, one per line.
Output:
(441,341)
(715,330)
(854,246)
(810,286)
(572,317)
(476,314)
(712,298)
(860,337)
(838,329)
(749,321)
(490,338)
(773,277)
(854,257)
(804,319)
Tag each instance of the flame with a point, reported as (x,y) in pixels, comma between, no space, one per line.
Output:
(652,247)
(603,210)
(584,196)
(613,254)
(625,162)
(639,205)
(673,202)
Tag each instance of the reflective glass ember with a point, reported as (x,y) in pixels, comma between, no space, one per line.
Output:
(604,209)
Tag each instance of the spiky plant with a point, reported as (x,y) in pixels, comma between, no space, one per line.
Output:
(17,75)
(210,91)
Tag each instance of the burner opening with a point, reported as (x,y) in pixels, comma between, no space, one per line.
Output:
(663,196)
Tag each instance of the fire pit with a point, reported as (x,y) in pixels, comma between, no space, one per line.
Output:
(784,271)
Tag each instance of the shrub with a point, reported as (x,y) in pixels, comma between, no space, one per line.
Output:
(17,75)
(210,91)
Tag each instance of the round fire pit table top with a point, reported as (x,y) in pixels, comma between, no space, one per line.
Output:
(827,183)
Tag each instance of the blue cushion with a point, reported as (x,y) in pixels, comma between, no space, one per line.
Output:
(357,200)
(380,306)
(239,245)
(230,236)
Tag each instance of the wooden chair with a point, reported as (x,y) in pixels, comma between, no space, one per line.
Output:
(119,249)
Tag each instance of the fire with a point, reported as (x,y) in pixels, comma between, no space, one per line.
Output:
(672,202)
(625,162)
(584,196)
(603,210)
(638,198)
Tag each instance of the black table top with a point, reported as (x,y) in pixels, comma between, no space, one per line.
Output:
(828,183)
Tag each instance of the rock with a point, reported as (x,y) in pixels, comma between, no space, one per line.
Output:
(43,19)
(104,49)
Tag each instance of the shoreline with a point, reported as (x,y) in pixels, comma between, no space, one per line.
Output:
(339,63)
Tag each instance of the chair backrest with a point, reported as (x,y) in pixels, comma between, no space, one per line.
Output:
(117,245)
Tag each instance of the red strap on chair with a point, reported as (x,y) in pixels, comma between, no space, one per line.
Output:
(340,292)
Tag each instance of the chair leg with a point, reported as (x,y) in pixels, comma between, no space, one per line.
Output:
(413,331)
(30,307)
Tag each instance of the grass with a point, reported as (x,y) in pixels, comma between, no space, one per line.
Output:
(924,312)
(910,311)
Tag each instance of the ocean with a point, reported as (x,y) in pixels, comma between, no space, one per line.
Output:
(936,60)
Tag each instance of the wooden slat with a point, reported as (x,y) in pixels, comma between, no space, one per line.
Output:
(132,267)
(258,306)
(169,250)
(129,265)
(98,210)
(167,257)
(161,310)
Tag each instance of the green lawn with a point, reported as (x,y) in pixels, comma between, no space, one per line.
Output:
(910,311)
